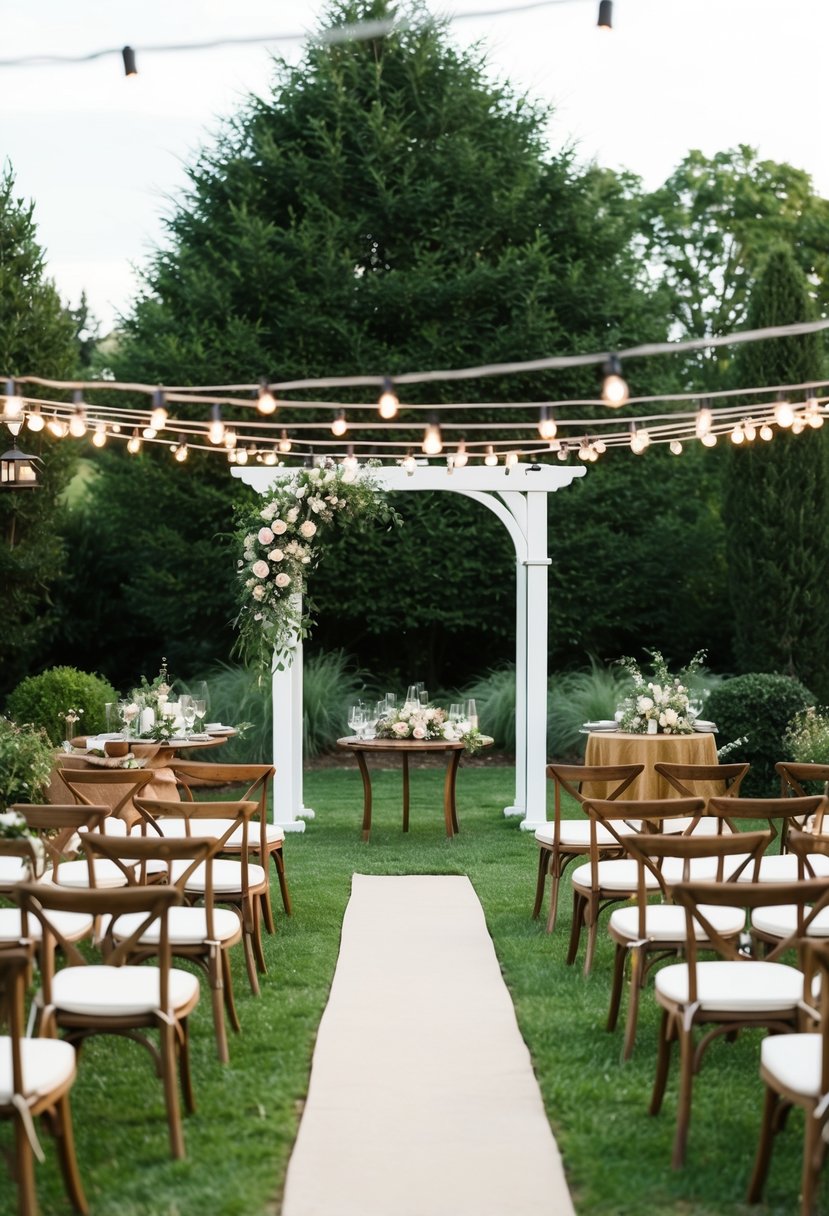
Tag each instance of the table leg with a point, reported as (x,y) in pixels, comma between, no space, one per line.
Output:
(405,791)
(450,810)
(364,773)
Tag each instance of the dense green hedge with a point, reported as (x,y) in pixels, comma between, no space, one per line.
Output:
(757,707)
(44,700)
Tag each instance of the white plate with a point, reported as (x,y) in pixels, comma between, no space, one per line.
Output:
(603,724)
(705,728)
(220,730)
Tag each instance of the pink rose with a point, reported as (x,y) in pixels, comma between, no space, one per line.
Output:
(401,729)
(279,526)
(258,592)
(419,732)
(265,536)
(282,580)
(275,555)
(307,529)
(260,569)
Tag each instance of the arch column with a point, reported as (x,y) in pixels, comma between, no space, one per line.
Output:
(518,497)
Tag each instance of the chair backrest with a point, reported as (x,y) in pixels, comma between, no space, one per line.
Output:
(816,967)
(802,844)
(152,902)
(232,816)
(794,777)
(784,812)
(253,780)
(14,970)
(119,784)
(683,778)
(610,780)
(57,827)
(809,897)
(645,816)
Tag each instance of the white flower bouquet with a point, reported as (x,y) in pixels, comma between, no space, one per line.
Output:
(13,826)
(429,722)
(660,705)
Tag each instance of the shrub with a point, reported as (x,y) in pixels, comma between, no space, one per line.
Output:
(759,708)
(44,699)
(26,758)
(807,738)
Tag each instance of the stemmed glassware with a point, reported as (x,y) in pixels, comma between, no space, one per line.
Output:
(357,718)
(128,712)
(456,711)
(188,712)
(200,706)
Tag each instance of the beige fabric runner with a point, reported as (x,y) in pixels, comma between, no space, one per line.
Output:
(422,1099)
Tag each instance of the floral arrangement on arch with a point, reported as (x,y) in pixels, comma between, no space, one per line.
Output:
(429,722)
(281,540)
(663,700)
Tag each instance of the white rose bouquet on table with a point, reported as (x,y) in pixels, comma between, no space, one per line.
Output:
(428,722)
(13,826)
(280,541)
(665,699)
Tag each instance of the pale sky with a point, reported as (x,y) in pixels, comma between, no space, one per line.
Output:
(102,156)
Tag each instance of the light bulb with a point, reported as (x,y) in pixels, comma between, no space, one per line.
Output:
(783,413)
(339,426)
(116,428)
(546,423)
(99,436)
(766,433)
(56,426)
(34,419)
(584,450)
(639,441)
(216,429)
(461,456)
(750,430)
(815,421)
(270,458)
(350,461)
(432,444)
(676,447)
(563,451)
(798,426)
(709,440)
(134,443)
(241,455)
(408,463)
(490,459)
(77,423)
(230,439)
(13,408)
(231,455)
(284,442)
(388,403)
(158,414)
(149,432)
(703,422)
(614,386)
(266,403)
(511,459)
(600,447)
(181,453)
(737,435)
(593,455)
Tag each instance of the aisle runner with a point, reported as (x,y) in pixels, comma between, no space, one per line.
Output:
(423,1100)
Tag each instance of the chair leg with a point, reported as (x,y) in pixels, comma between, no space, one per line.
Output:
(250,962)
(267,910)
(543,867)
(555,883)
(579,905)
(762,1160)
(24,1170)
(215,975)
(637,978)
(170,1082)
(686,1086)
(813,1148)
(279,862)
(230,1002)
(663,1062)
(257,938)
(185,1074)
(618,983)
(65,1142)
(591,917)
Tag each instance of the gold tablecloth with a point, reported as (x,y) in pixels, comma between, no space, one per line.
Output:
(614,747)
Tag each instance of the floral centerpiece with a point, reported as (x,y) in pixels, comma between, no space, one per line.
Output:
(154,695)
(660,705)
(429,722)
(13,826)
(280,540)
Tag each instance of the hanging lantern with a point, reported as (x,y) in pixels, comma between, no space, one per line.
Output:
(18,471)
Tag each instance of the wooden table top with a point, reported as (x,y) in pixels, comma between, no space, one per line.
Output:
(397,745)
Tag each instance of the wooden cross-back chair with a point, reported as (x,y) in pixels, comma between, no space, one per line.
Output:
(769,925)
(563,840)
(646,933)
(733,992)
(84,999)
(779,814)
(117,787)
(795,777)
(35,1079)
(240,883)
(254,782)
(704,781)
(204,934)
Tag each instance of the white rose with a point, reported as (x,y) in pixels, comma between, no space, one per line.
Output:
(265,536)
(307,529)
(261,569)
(429,714)
(643,704)
(670,717)
(348,476)
(275,555)
(314,474)
(279,526)
(299,492)
(282,580)
(292,516)
(329,476)
(258,592)
(306,561)
(449,732)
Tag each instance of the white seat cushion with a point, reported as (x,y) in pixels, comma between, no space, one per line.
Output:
(700,869)
(187,926)
(707,826)
(175,828)
(666,922)
(75,874)
(13,870)
(782,867)
(119,991)
(794,1060)
(781,921)
(227,876)
(734,987)
(72,925)
(621,875)
(576,833)
(47,1064)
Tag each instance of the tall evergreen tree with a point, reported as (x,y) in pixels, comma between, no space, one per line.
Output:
(36,334)
(777,502)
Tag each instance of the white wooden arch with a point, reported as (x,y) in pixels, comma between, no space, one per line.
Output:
(518,496)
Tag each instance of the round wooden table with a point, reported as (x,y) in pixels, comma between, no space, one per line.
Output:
(405,748)
(616,747)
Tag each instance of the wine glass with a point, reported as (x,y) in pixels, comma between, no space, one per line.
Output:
(423,695)
(370,717)
(356,718)
(391,701)
(200,706)
(412,698)
(111,717)
(472,713)
(187,711)
(456,711)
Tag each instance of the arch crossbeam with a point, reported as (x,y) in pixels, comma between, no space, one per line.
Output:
(518,497)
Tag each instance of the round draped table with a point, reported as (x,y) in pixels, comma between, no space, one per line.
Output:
(405,748)
(615,747)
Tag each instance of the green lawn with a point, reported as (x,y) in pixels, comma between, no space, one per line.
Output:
(239,1141)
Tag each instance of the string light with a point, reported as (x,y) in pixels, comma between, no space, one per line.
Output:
(798,425)
(703,422)
(584,450)
(350,461)
(158,414)
(409,463)
(563,451)
(134,443)
(270,458)
(614,386)
(750,430)
(240,455)
(546,423)
(149,432)
(340,425)
(388,403)
(284,444)
(709,440)
(639,439)
(510,460)
(676,447)
(461,456)
(783,413)
(181,452)
(737,435)
(766,433)
(432,444)
(230,439)
(77,423)
(266,403)
(13,410)
(490,459)
(57,427)
(99,435)
(216,429)
(34,419)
